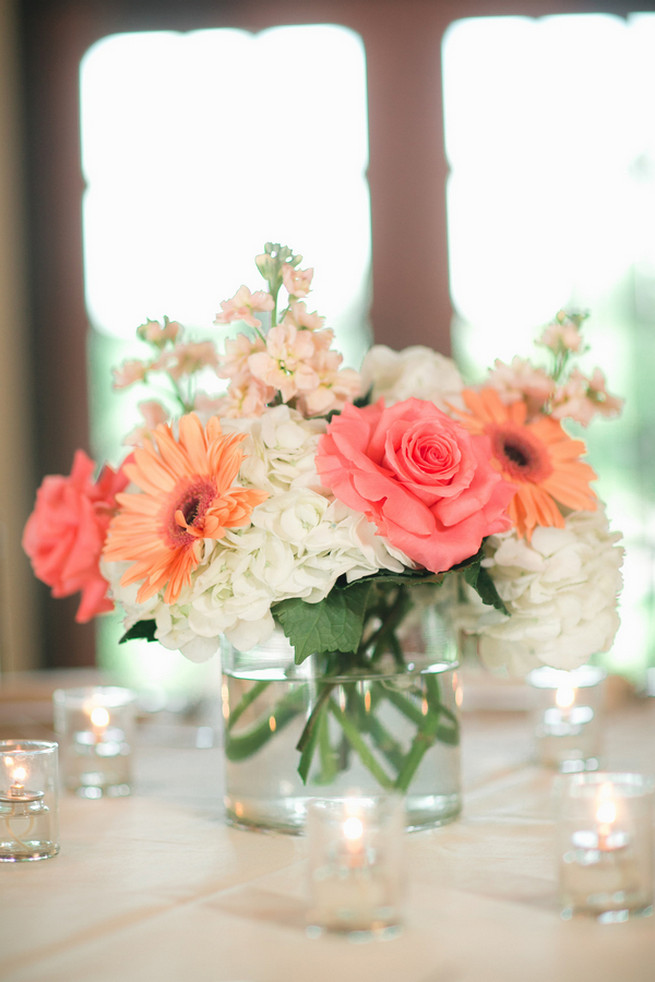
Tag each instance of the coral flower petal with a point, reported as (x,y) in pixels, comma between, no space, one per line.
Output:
(538,457)
(186,495)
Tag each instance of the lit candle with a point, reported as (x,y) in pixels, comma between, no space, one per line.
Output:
(355,865)
(27,824)
(99,718)
(564,699)
(606,817)
(18,777)
(566,717)
(605,866)
(353,839)
(95,729)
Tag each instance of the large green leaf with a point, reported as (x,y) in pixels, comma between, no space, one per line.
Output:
(333,624)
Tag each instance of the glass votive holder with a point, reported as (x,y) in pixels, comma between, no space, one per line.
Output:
(567,716)
(356,865)
(605,846)
(95,727)
(29,783)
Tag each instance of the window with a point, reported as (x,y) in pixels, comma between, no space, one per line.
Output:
(198,148)
(550,140)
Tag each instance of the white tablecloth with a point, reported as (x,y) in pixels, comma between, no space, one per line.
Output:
(157,887)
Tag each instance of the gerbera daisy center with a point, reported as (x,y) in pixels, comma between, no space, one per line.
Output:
(521,456)
(185,516)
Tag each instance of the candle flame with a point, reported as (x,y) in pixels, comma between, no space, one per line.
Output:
(99,717)
(605,805)
(565,696)
(353,828)
(18,776)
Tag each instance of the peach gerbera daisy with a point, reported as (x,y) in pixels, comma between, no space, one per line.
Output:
(539,458)
(186,496)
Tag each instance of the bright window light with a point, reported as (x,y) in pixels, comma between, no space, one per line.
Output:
(197,148)
(550,139)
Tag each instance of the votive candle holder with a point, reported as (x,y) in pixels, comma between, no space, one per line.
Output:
(29,826)
(356,865)
(95,727)
(605,846)
(567,717)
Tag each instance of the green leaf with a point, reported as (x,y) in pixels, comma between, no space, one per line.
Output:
(333,624)
(142,630)
(478,577)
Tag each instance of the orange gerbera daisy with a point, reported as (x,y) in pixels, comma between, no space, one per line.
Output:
(539,458)
(186,496)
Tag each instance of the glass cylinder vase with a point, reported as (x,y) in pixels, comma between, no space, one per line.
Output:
(294,733)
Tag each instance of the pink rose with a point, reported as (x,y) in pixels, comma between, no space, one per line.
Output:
(419,476)
(65,533)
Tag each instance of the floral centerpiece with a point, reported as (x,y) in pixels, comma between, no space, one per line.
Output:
(331,511)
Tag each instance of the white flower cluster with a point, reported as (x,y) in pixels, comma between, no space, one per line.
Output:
(561,591)
(416,371)
(299,543)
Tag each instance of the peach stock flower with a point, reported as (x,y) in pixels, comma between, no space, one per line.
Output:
(582,398)
(419,476)
(242,306)
(65,533)
(521,380)
(129,372)
(297,282)
(285,365)
(186,495)
(539,457)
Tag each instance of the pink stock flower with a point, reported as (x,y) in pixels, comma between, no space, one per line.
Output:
(153,414)
(297,282)
(299,316)
(156,333)
(250,399)
(581,398)
(234,363)
(185,359)
(561,336)
(129,372)
(521,380)
(419,476)
(286,363)
(336,386)
(242,305)
(65,533)
(206,405)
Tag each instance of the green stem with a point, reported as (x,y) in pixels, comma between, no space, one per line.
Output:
(429,730)
(384,638)
(243,745)
(359,746)
(308,732)
(329,758)
(383,740)
(246,700)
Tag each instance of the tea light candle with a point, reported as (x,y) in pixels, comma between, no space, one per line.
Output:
(28,800)
(95,728)
(355,865)
(567,714)
(605,842)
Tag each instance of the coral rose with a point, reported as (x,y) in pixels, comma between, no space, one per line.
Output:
(65,533)
(420,477)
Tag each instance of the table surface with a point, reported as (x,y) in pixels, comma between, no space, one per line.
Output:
(157,887)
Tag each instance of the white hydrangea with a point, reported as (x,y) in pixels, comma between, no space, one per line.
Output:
(561,591)
(415,371)
(299,542)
